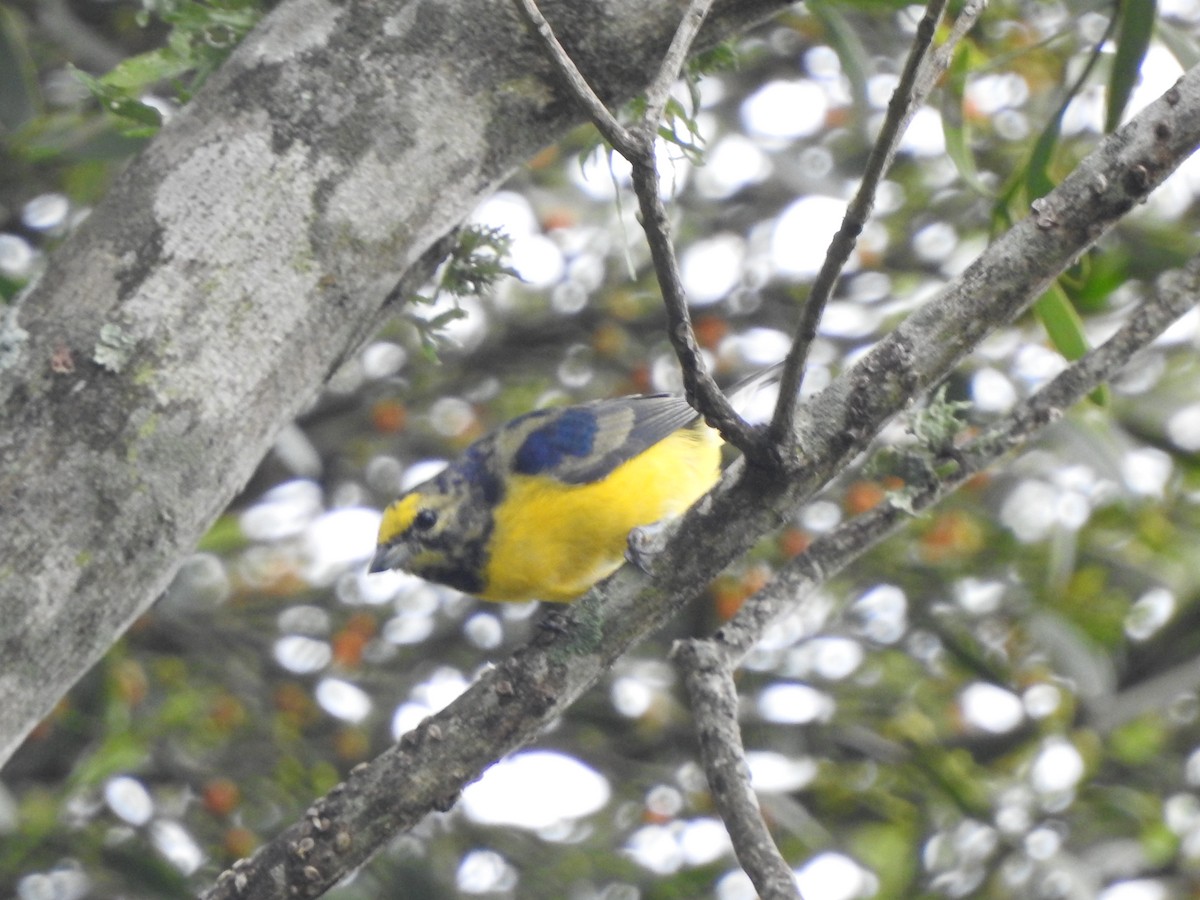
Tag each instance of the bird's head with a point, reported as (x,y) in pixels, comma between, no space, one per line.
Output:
(438,531)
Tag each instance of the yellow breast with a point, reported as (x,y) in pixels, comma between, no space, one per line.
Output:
(553,541)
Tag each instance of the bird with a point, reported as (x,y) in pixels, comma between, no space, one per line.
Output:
(542,507)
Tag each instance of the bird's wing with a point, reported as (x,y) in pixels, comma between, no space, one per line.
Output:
(584,443)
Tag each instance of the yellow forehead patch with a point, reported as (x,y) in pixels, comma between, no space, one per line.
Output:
(397,518)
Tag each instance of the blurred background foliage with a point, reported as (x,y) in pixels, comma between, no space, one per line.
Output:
(1002,701)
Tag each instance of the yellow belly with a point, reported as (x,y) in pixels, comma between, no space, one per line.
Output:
(553,541)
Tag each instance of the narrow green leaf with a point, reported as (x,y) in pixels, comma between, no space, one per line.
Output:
(442,319)
(1133,39)
(1062,322)
(1064,327)
(143,120)
(954,121)
(851,52)
(1038,181)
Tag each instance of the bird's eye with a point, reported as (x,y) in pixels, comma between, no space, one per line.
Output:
(424,520)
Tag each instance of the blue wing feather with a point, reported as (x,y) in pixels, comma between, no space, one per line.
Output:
(581,444)
(571,433)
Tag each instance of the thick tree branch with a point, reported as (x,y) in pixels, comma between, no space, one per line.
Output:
(512,703)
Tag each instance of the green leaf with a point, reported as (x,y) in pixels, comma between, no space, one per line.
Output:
(1062,322)
(722,57)
(476,261)
(137,73)
(1064,327)
(224,536)
(1133,38)
(442,319)
(1091,282)
(1140,741)
(141,118)
(954,121)
(851,52)
(1038,182)
(118,752)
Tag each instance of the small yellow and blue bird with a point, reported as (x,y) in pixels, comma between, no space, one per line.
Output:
(542,507)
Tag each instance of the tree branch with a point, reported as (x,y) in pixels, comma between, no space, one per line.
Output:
(1176,293)
(636,144)
(708,680)
(511,703)
(707,665)
(673,62)
(611,129)
(917,79)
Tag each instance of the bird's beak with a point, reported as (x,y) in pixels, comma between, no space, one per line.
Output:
(388,557)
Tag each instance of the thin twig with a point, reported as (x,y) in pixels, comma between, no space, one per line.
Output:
(698,385)
(613,131)
(708,678)
(681,44)
(1175,294)
(1150,697)
(908,96)
(636,144)
(944,54)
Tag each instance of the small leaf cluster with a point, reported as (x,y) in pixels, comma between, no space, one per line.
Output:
(202,33)
(477,261)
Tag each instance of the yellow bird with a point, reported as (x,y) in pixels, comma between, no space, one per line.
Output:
(542,508)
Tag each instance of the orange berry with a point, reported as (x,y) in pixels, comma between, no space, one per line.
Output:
(226,713)
(560,217)
(348,648)
(862,496)
(221,796)
(953,534)
(653,817)
(609,340)
(294,703)
(730,592)
(640,378)
(362,623)
(130,682)
(545,157)
(793,542)
(389,416)
(710,330)
(728,597)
